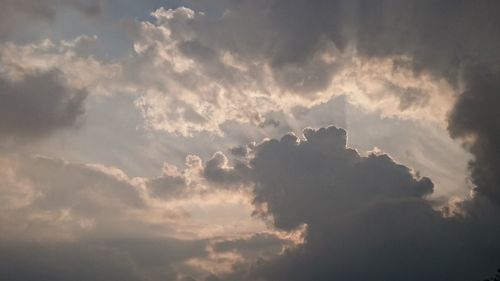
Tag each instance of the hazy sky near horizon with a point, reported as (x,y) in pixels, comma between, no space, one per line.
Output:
(249,140)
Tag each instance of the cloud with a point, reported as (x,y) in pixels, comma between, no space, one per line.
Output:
(74,59)
(17,15)
(339,56)
(70,219)
(335,211)
(217,170)
(465,53)
(63,262)
(46,198)
(194,72)
(475,119)
(255,246)
(225,255)
(365,217)
(171,183)
(49,199)
(38,104)
(44,86)
(409,59)
(119,259)
(198,72)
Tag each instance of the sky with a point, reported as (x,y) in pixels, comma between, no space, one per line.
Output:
(249,140)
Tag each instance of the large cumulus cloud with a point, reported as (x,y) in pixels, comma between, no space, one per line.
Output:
(364,217)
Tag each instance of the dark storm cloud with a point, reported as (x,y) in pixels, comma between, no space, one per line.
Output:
(37,105)
(367,217)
